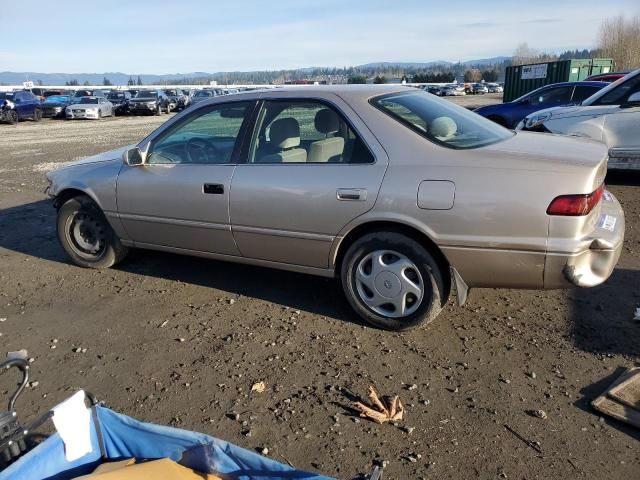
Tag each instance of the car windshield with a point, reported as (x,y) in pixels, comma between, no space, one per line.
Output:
(57,98)
(171,92)
(145,94)
(440,121)
(115,96)
(203,93)
(83,93)
(6,95)
(88,100)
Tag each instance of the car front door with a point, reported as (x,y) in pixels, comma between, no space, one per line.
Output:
(23,107)
(312,167)
(179,197)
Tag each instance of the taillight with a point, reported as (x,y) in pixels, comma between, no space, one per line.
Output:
(575,205)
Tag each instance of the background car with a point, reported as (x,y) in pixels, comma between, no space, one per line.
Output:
(567,93)
(339,181)
(120,100)
(89,92)
(606,77)
(90,108)
(59,91)
(177,99)
(20,105)
(54,105)
(201,95)
(611,116)
(153,102)
(494,88)
(479,89)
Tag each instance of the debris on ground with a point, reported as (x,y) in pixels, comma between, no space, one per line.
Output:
(381,412)
(636,316)
(622,399)
(258,387)
(538,414)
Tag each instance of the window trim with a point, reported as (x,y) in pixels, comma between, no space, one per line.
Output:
(259,111)
(374,103)
(166,130)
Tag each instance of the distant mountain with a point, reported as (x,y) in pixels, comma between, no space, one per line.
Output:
(119,78)
(435,63)
(403,64)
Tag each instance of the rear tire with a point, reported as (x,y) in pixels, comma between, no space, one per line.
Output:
(37,115)
(392,281)
(12,117)
(86,236)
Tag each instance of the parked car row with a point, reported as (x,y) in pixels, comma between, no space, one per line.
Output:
(95,103)
(456,89)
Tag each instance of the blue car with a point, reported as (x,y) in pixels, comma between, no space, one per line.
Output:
(555,95)
(15,106)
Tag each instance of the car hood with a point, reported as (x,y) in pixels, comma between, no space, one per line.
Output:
(99,158)
(537,151)
(84,105)
(559,112)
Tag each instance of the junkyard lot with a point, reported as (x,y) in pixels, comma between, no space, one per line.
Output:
(227,326)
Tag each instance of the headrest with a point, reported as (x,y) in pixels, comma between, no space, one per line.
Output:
(443,127)
(327,121)
(285,133)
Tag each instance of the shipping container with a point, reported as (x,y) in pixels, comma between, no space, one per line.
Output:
(521,79)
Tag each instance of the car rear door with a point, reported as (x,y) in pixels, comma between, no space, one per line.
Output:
(288,204)
(179,198)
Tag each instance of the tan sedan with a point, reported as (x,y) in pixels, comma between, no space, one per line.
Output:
(398,193)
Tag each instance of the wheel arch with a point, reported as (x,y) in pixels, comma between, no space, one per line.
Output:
(71,192)
(410,231)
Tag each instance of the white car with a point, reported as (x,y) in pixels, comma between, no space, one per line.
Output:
(89,107)
(611,116)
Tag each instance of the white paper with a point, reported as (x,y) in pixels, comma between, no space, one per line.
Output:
(72,419)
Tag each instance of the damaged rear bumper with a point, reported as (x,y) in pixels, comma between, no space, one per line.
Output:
(594,262)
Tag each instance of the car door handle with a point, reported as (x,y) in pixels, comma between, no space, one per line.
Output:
(213,188)
(352,194)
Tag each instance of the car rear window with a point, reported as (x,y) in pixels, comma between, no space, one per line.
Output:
(441,121)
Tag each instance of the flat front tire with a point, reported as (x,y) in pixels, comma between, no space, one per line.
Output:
(392,281)
(86,236)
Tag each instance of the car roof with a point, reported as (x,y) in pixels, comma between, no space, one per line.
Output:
(362,91)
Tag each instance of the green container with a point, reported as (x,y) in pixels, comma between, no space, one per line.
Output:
(521,79)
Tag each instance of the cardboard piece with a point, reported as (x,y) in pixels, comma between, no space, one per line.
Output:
(164,468)
(624,386)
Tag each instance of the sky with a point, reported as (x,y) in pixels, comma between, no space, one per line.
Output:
(160,37)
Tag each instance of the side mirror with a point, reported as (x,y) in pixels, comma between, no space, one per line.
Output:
(133,157)
(632,101)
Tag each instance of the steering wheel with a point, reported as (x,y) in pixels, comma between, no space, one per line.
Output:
(201,150)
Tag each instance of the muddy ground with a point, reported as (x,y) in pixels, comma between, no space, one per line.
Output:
(180,341)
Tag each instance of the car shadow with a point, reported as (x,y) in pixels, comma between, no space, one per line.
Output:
(623,178)
(601,318)
(30,229)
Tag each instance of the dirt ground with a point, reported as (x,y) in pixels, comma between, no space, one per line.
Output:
(180,341)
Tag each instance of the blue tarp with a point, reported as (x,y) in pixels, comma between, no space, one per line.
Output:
(125,437)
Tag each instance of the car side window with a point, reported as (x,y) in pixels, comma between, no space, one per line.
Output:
(560,94)
(582,92)
(305,131)
(619,94)
(208,136)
